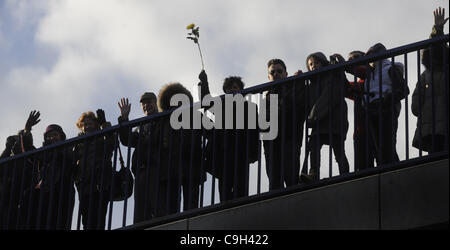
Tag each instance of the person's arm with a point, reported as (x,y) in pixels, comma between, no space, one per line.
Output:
(32,120)
(418,91)
(439,22)
(109,138)
(24,137)
(125,108)
(204,85)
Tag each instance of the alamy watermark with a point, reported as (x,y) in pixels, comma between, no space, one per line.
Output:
(268,128)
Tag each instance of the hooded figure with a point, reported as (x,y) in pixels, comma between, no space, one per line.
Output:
(327,114)
(430,98)
(179,159)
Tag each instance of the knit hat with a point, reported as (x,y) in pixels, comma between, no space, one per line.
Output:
(55,127)
(148,96)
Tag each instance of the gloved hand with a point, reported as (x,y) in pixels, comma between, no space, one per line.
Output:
(101,116)
(32,120)
(203,77)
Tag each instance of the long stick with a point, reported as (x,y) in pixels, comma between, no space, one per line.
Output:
(201,57)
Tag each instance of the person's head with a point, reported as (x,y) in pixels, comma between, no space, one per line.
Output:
(54,133)
(88,122)
(11,140)
(232,84)
(355,55)
(276,69)
(316,61)
(168,91)
(148,103)
(377,48)
(435,60)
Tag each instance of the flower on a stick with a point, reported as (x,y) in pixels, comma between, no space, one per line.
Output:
(194,35)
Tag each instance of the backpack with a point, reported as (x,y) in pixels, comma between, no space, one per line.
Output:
(400,87)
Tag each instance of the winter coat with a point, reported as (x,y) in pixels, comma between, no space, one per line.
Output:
(422,102)
(56,169)
(291,102)
(179,151)
(231,148)
(228,149)
(43,177)
(327,108)
(422,107)
(97,169)
(283,153)
(144,139)
(23,143)
(16,178)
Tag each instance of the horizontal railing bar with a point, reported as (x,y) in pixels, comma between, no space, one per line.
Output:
(262,87)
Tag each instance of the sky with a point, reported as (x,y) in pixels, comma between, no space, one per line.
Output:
(66,57)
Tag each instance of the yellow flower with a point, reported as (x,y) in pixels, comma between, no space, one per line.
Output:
(190,26)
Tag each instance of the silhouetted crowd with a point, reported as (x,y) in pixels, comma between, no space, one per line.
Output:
(169,165)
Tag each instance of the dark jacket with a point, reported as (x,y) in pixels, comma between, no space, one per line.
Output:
(326,102)
(98,167)
(283,153)
(41,179)
(23,143)
(422,101)
(53,192)
(179,151)
(232,148)
(291,102)
(16,178)
(144,139)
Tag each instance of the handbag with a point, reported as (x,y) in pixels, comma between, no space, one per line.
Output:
(123,182)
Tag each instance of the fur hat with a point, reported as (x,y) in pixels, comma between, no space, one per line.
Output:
(168,91)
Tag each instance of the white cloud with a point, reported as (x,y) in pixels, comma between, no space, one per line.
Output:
(25,12)
(109,49)
(2,37)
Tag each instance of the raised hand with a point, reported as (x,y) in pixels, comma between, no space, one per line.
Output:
(32,120)
(203,77)
(101,116)
(439,16)
(339,58)
(124,107)
(298,72)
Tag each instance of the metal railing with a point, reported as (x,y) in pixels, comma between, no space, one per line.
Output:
(177,172)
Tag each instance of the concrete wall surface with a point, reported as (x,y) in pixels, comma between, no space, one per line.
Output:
(403,199)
